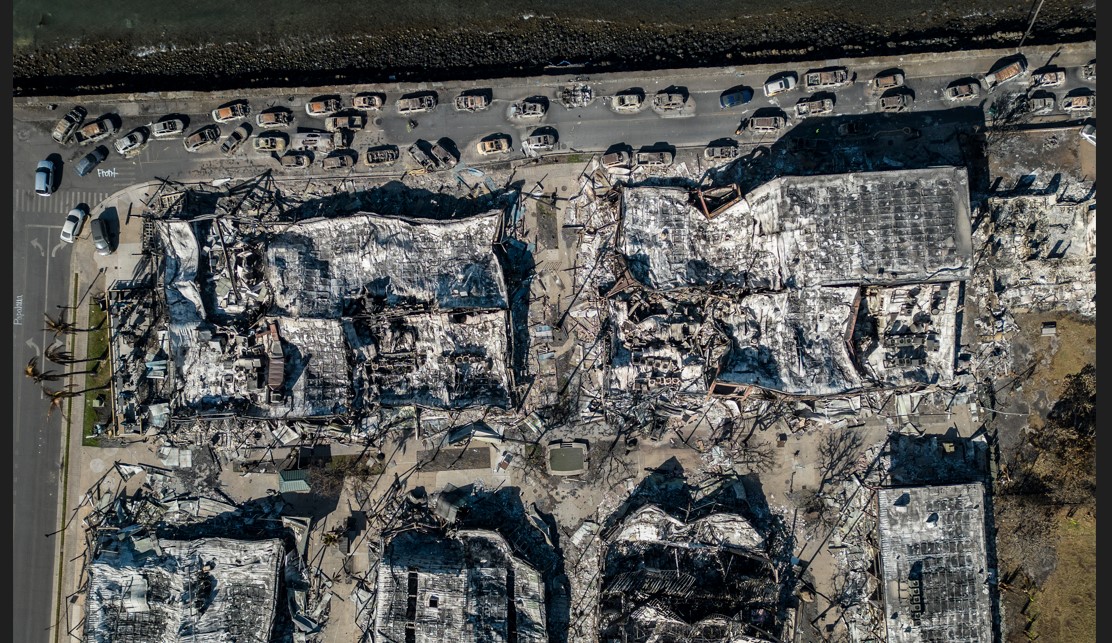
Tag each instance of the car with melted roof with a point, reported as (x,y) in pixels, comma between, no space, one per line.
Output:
(274,118)
(65,128)
(168,127)
(232,111)
(202,138)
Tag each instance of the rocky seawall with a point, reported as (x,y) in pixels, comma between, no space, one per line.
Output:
(521,47)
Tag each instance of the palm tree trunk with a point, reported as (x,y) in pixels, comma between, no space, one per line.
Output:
(93,388)
(82,361)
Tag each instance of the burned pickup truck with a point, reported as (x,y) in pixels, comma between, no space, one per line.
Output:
(721,152)
(434,159)
(317,141)
(382,155)
(814,106)
(827,78)
(652,158)
(1007,72)
(416,104)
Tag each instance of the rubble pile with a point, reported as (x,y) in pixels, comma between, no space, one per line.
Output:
(1041,252)
(166,564)
(705,580)
(467,583)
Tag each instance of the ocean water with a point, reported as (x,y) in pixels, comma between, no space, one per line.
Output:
(38,23)
(66,47)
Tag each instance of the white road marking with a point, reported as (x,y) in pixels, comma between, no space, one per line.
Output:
(35,244)
(32,344)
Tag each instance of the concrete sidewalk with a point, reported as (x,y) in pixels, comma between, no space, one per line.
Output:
(93,274)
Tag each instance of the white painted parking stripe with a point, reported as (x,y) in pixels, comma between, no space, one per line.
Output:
(27,202)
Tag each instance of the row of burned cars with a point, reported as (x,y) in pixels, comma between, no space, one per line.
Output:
(340,123)
(893,94)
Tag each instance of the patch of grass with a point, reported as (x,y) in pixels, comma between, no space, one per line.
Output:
(1076,347)
(1066,608)
(576,158)
(97,345)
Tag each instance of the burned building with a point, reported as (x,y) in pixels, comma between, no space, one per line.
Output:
(317,267)
(464,586)
(902,226)
(1042,252)
(337,315)
(213,589)
(661,343)
(792,341)
(708,580)
(937,581)
(816,285)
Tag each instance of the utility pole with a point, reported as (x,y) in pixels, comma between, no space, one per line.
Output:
(1029,26)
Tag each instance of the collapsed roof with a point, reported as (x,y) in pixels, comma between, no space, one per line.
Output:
(708,580)
(315,266)
(433,359)
(431,326)
(466,586)
(212,589)
(897,226)
(934,564)
(793,341)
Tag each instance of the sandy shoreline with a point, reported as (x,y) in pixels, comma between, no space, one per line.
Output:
(520,48)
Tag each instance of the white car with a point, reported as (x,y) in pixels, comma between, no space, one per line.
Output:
(131,144)
(75,222)
(168,127)
(785,82)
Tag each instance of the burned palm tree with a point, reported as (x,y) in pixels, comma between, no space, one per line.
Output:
(57,398)
(88,371)
(58,326)
(32,371)
(58,354)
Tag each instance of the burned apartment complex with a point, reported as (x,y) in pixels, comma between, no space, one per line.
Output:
(806,286)
(335,317)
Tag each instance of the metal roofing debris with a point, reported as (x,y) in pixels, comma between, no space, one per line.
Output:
(937,579)
(466,584)
(313,267)
(876,227)
(293,481)
(792,341)
(215,589)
